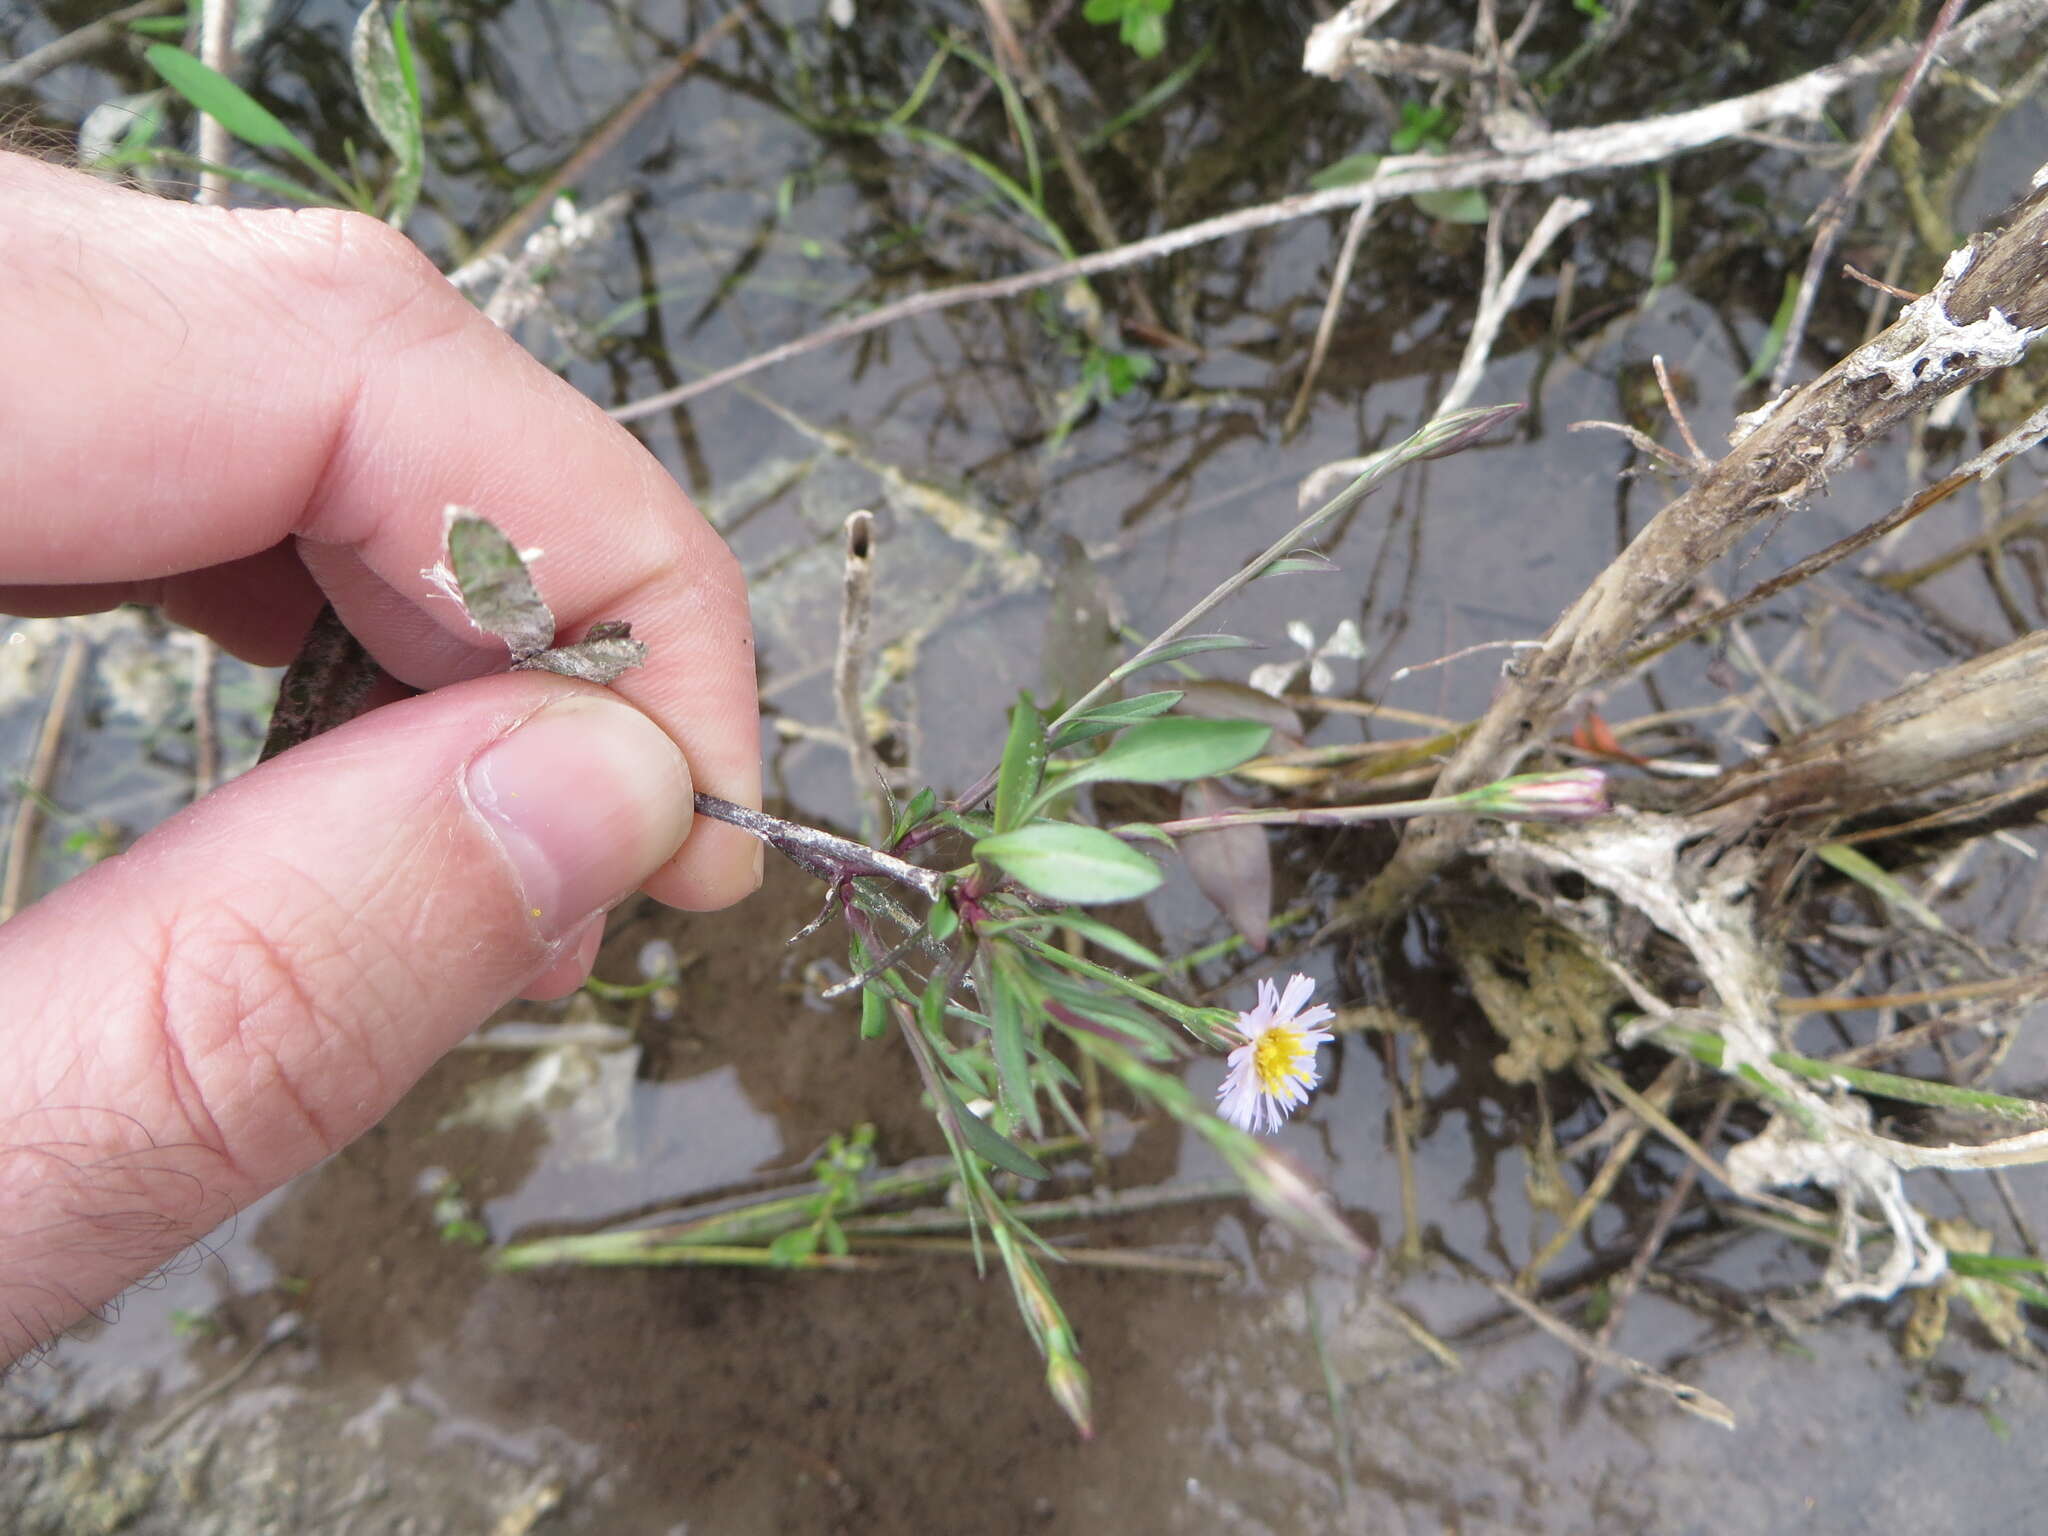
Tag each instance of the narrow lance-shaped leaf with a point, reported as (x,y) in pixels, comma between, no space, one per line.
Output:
(1011,1012)
(985,1142)
(1186,645)
(920,806)
(1298,562)
(1167,752)
(380,54)
(1105,718)
(1023,764)
(1115,940)
(1071,863)
(236,110)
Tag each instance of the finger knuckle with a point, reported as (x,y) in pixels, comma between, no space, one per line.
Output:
(240,1027)
(353,273)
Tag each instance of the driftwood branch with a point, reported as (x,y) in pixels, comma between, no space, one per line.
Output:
(1982,714)
(1991,302)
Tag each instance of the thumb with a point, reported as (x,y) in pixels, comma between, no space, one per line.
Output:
(259,979)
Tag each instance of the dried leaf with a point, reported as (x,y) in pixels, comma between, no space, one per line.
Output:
(1232,866)
(495,590)
(599,657)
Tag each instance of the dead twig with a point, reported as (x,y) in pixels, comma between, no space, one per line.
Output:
(1618,1158)
(205,734)
(850,663)
(1690,1398)
(1012,56)
(1623,1290)
(1498,292)
(1836,211)
(1333,304)
(608,134)
(216,35)
(1982,316)
(35,784)
(36,63)
(1699,459)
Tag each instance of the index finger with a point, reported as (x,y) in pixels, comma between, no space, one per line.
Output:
(190,386)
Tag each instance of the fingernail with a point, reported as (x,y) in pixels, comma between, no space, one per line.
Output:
(587,798)
(760,864)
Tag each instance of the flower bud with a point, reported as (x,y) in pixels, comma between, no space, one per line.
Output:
(1571,794)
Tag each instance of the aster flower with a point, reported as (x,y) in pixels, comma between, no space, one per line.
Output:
(1273,1069)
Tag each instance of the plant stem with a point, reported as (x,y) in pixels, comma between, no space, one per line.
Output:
(821,853)
(1442,435)
(1707,1047)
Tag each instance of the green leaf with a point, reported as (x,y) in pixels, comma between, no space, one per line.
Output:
(236,110)
(1349,171)
(223,100)
(1187,645)
(1071,863)
(1148,830)
(1105,718)
(973,826)
(1167,752)
(874,1013)
(1774,338)
(1301,560)
(1420,127)
(1136,1030)
(1115,940)
(920,807)
(1012,1013)
(931,1007)
(985,1142)
(1992,1265)
(1859,867)
(1102,12)
(380,54)
(1023,764)
(944,921)
(1456,205)
(1144,34)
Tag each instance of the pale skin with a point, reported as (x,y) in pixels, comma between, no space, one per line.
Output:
(236,416)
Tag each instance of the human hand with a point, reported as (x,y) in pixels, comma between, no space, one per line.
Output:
(237,415)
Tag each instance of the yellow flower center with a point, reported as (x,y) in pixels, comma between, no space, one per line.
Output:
(1280,1056)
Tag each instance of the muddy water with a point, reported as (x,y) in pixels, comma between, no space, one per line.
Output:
(407,1389)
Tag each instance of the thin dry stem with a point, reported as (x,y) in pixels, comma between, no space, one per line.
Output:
(1699,459)
(600,143)
(216,35)
(850,663)
(1618,1158)
(21,846)
(1623,1289)
(205,733)
(32,66)
(1836,212)
(1333,305)
(1497,296)
(1690,1398)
